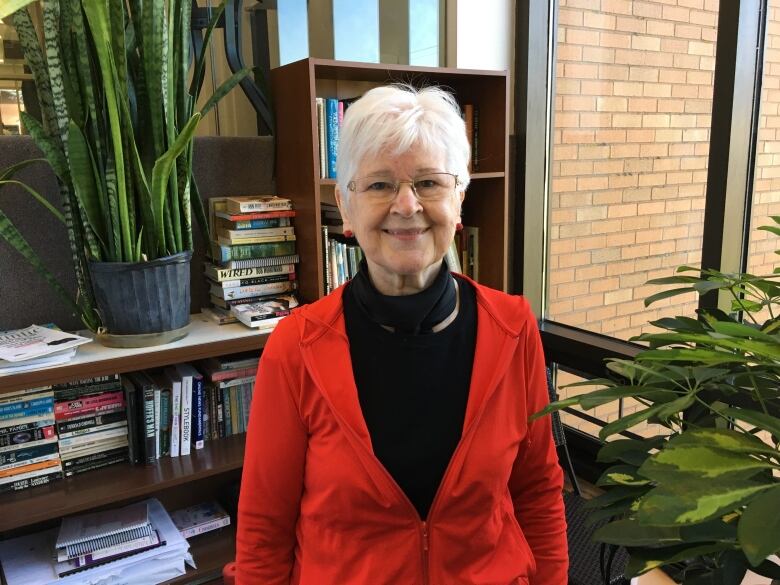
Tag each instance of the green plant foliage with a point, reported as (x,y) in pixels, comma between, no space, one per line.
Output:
(117,127)
(704,499)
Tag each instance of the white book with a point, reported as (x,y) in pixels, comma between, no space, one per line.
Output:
(31,474)
(95,437)
(186,412)
(175,412)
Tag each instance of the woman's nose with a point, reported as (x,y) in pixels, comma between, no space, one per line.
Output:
(406,202)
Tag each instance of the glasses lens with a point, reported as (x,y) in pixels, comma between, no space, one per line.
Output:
(434,185)
(375,188)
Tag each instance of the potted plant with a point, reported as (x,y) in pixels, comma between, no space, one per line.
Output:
(703,499)
(117,100)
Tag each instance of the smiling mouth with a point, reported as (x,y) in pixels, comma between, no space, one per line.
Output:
(406,233)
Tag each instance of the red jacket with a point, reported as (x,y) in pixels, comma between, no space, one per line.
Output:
(317,508)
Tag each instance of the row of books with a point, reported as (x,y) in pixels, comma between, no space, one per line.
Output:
(252,273)
(137,543)
(58,431)
(341,259)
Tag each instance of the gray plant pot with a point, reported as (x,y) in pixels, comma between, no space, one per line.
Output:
(135,298)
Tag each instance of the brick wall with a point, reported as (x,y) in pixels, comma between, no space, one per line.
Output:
(632,118)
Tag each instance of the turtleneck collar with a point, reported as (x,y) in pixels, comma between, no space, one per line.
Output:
(409,314)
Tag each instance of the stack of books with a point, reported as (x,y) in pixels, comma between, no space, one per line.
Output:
(92,423)
(28,440)
(231,379)
(97,538)
(253,258)
(200,519)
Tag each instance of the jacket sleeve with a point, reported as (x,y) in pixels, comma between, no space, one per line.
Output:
(536,481)
(272,480)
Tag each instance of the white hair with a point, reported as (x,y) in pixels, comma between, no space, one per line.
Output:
(396,118)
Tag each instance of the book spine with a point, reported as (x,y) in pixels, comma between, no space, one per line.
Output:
(258,233)
(475,142)
(18,446)
(86,382)
(149,440)
(119,548)
(227,412)
(231,374)
(77,469)
(131,412)
(94,437)
(11,471)
(255,281)
(93,457)
(71,427)
(226,275)
(26,434)
(197,414)
(215,524)
(175,418)
(29,482)
(257,206)
(239,394)
(75,392)
(186,415)
(121,424)
(326,261)
(88,445)
(157,422)
(27,412)
(258,224)
(23,456)
(256,215)
(262,262)
(271,288)
(220,413)
(321,137)
(332,113)
(18,406)
(103,401)
(251,251)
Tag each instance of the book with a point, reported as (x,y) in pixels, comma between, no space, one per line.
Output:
(93,525)
(17,447)
(227,304)
(103,544)
(253,290)
(36,341)
(96,403)
(19,483)
(86,382)
(27,434)
(175,382)
(258,280)
(96,457)
(185,407)
(225,253)
(27,454)
(5,482)
(145,388)
(200,518)
(249,204)
(252,216)
(219,315)
(322,140)
(131,412)
(256,233)
(91,466)
(332,121)
(195,378)
(218,274)
(227,225)
(90,422)
(239,241)
(271,308)
(104,426)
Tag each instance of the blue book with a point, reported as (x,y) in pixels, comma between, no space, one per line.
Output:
(197,411)
(16,407)
(227,412)
(34,411)
(332,123)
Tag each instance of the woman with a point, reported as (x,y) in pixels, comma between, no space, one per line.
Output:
(388,440)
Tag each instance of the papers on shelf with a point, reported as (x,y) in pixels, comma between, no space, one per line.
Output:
(36,341)
(55,359)
(28,560)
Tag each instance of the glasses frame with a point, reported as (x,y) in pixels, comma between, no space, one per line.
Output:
(397,184)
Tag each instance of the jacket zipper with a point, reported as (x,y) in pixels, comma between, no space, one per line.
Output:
(425,551)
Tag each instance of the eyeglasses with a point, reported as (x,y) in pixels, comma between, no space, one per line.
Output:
(427,187)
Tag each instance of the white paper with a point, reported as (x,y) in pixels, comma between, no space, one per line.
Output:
(48,361)
(35,341)
(29,560)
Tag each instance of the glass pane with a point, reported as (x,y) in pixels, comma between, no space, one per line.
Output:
(356,30)
(766,186)
(630,143)
(293,31)
(424,32)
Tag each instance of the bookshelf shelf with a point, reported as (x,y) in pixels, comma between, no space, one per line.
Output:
(118,483)
(205,339)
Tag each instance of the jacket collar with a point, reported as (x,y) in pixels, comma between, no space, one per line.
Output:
(325,349)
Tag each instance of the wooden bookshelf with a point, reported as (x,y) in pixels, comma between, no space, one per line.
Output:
(204,339)
(296,87)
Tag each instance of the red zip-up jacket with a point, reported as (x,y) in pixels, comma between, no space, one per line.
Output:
(318,508)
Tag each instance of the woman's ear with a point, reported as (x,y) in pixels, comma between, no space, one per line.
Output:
(342,204)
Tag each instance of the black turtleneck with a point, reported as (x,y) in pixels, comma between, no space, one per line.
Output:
(413,384)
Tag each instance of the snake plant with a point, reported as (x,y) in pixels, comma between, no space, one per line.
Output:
(703,498)
(117,87)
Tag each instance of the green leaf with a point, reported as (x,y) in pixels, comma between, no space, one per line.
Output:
(632,451)
(700,460)
(49,146)
(768,569)
(695,500)
(626,422)
(616,494)
(621,475)
(725,439)
(9,172)
(38,197)
(629,532)
(667,294)
(84,182)
(643,560)
(759,526)
(599,397)
(162,169)
(770,228)
(702,356)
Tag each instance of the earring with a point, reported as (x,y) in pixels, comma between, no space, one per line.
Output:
(458,227)
(349,234)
